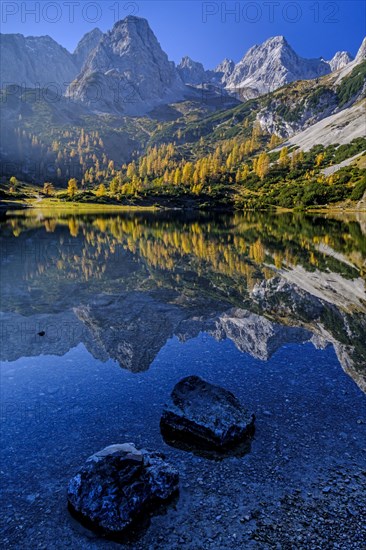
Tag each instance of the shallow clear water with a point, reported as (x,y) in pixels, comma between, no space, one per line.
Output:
(102,315)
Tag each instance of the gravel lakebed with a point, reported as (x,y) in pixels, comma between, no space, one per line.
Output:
(302,485)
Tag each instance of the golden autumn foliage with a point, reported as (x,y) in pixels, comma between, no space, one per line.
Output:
(72,187)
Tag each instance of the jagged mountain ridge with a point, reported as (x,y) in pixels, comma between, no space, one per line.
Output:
(38,61)
(269,66)
(263,69)
(35,62)
(129,60)
(192,72)
(286,112)
(225,69)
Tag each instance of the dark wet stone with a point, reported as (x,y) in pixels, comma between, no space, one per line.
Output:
(118,484)
(205,415)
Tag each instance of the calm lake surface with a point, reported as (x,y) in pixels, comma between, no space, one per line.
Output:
(102,314)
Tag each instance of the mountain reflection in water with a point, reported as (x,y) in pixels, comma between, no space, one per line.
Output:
(123,284)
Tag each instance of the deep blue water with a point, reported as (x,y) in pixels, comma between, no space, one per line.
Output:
(56,410)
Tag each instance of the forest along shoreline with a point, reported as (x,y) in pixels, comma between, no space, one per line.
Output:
(153,202)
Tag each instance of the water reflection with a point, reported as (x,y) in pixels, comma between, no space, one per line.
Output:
(123,284)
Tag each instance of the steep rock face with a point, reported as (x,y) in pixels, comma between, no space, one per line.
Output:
(225,69)
(327,109)
(86,45)
(128,72)
(274,63)
(345,71)
(341,127)
(192,72)
(361,54)
(340,60)
(34,61)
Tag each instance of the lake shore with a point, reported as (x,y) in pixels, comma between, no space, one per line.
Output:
(167,203)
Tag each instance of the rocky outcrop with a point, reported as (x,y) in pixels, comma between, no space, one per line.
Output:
(118,484)
(192,72)
(225,69)
(345,71)
(205,415)
(361,205)
(361,54)
(86,46)
(340,60)
(128,72)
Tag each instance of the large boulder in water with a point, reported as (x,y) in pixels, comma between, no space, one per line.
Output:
(118,484)
(205,415)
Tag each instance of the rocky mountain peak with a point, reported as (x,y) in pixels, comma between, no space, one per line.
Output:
(128,72)
(361,54)
(134,32)
(192,72)
(340,60)
(225,64)
(272,64)
(86,45)
(132,21)
(225,69)
(188,62)
(276,41)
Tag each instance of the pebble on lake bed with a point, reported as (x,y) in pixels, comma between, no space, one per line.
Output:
(118,484)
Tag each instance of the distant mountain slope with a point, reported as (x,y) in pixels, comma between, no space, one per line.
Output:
(301,104)
(35,61)
(341,128)
(38,61)
(284,112)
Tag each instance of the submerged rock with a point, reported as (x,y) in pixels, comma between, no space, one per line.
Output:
(117,484)
(205,415)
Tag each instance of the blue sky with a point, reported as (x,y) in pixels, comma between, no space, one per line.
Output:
(206,31)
